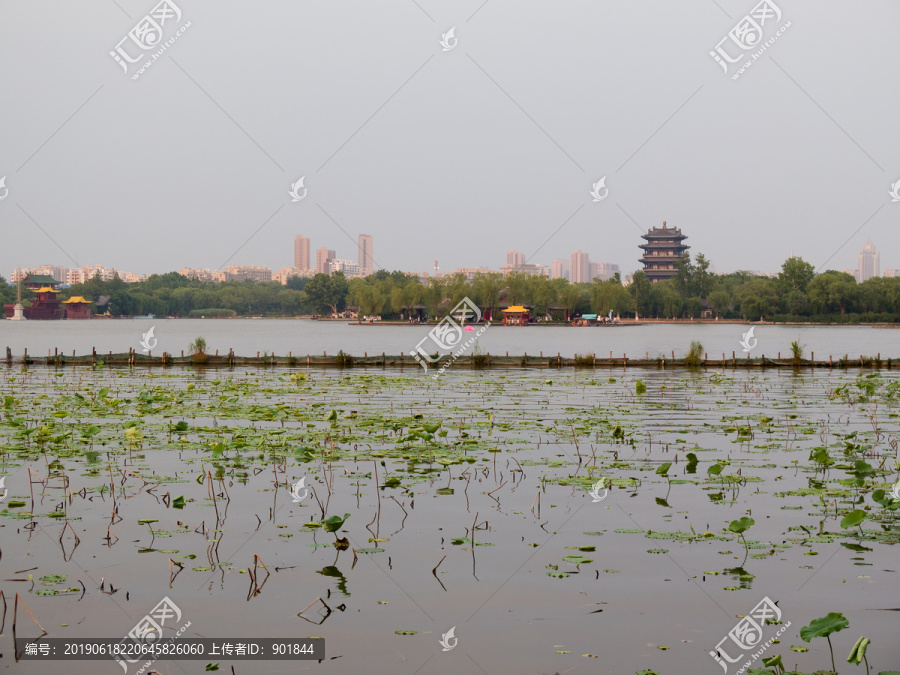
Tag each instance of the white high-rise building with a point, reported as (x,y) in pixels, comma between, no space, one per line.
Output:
(348,267)
(366,255)
(603,271)
(301,252)
(580,268)
(559,269)
(869,263)
(323,257)
(514,258)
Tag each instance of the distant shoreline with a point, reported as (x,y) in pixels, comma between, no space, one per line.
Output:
(622,323)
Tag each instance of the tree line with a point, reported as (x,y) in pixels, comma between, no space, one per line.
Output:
(798,293)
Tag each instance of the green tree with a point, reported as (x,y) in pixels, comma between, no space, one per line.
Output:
(796,274)
(434,295)
(317,292)
(486,291)
(683,281)
(296,283)
(701,277)
(720,301)
(640,292)
(832,292)
(797,303)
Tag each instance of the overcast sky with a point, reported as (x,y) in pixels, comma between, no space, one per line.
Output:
(451,155)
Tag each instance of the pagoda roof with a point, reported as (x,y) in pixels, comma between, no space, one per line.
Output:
(660,232)
(43,279)
(46,289)
(516,308)
(663,245)
(76,299)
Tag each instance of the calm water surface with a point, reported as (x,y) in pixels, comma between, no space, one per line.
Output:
(516,604)
(248,336)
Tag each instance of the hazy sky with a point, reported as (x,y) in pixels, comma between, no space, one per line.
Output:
(452,155)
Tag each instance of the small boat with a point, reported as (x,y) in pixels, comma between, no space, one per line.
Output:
(145,316)
(585,320)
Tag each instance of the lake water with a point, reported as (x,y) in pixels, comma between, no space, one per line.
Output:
(647,578)
(248,336)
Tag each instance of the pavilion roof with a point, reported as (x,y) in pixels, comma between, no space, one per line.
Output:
(75,299)
(43,279)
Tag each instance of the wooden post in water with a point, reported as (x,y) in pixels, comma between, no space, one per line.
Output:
(8,355)
(733,364)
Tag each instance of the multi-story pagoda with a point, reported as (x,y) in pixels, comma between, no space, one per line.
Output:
(45,305)
(665,247)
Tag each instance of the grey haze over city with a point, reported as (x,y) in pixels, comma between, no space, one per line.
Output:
(453,155)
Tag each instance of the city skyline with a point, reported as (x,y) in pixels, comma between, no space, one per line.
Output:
(868,266)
